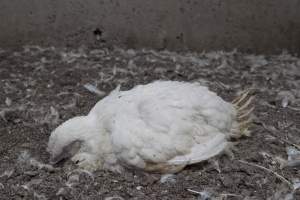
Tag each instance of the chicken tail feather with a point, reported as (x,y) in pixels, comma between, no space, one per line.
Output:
(244,106)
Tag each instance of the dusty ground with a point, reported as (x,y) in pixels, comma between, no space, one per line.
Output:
(42,87)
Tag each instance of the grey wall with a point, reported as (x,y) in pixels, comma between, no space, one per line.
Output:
(255,25)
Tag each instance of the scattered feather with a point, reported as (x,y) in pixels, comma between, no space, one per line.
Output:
(25,158)
(39,165)
(286,98)
(268,170)
(224,64)
(168,178)
(93,89)
(296,184)
(7,173)
(8,101)
(131,64)
(82,171)
(256,60)
(39,196)
(61,192)
(31,173)
(215,164)
(114,198)
(131,52)
(32,182)
(203,195)
(72,180)
(226,195)
(139,187)
(293,157)
(4,111)
(70,105)
(52,117)
(284,102)
(282,162)
(283,193)
(71,57)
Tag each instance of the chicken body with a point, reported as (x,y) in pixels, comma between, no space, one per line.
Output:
(162,126)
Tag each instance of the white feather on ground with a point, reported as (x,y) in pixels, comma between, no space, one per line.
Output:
(162,126)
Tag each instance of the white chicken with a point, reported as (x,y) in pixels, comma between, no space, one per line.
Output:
(161,127)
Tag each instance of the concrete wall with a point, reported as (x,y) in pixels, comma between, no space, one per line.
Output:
(254,25)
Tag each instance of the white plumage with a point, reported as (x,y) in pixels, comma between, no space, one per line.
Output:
(162,126)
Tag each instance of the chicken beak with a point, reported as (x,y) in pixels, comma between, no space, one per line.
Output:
(55,159)
(67,152)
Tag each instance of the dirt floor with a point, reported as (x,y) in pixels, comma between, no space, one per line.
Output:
(42,87)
